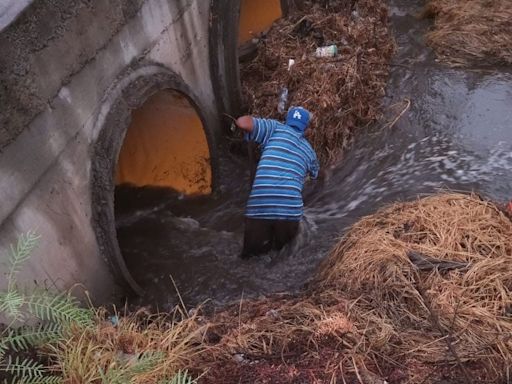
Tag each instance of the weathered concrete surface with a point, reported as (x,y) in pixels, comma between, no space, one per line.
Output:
(65,66)
(10,9)
(45,47)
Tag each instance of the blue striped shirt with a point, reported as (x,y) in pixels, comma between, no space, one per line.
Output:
(286,159)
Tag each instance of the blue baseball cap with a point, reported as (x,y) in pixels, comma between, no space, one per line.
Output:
(298,118)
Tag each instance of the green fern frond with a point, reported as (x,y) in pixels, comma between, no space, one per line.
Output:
(3,349)
(45,380)
(19,254)
(23,338)
(27,371)
(11,303)
(23,369)
(63,309)
(42,380)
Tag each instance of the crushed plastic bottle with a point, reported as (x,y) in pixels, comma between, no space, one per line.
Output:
(283,100)
(328,51)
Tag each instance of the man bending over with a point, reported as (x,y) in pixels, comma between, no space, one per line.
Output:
(275,206)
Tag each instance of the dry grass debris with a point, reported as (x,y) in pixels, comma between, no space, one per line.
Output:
(417,292)
(282,339)
(461,313)
(137,348)
(471,32)
(344,93)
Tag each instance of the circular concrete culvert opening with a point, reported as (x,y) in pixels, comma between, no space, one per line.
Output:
(164,158)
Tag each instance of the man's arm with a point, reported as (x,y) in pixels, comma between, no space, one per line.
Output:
(245,123)
(256,129)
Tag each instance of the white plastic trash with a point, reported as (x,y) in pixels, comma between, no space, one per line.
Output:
(328,51)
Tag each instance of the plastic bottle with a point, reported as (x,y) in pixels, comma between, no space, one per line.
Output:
(283,99)
(328,51)
(291,63)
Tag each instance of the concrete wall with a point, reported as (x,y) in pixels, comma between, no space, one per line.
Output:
(70,73)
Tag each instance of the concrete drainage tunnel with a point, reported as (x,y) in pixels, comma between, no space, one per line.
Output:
(118,150)
(150,79)
(165,158)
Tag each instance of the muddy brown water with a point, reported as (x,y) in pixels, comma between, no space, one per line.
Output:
(456,135)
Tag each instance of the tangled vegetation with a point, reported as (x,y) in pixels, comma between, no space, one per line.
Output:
(471,32)
(52,339)
(344,92)
(435,277)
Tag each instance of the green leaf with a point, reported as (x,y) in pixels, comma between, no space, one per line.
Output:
(182,377)
(146,362)
(19,254)
(3,348)
(23,338)
(42,380)
(62,308)
(23,369)
(11,303)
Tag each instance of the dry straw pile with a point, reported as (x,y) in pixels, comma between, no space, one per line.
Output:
(414,293)
(438,272)
(344,92)
(471,32)
(140,348)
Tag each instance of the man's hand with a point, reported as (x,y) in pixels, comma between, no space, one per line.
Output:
(245,123)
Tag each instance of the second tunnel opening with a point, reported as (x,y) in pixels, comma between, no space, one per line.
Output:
(256,17)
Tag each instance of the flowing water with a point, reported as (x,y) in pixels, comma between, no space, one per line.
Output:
(457,134)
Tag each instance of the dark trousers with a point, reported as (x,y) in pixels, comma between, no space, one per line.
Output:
(262,235)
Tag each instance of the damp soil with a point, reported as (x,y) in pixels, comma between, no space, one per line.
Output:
(456,135)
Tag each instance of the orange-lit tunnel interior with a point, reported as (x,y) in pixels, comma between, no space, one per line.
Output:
(166,146)
(257,16)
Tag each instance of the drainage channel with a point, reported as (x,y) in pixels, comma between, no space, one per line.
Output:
(456,135)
